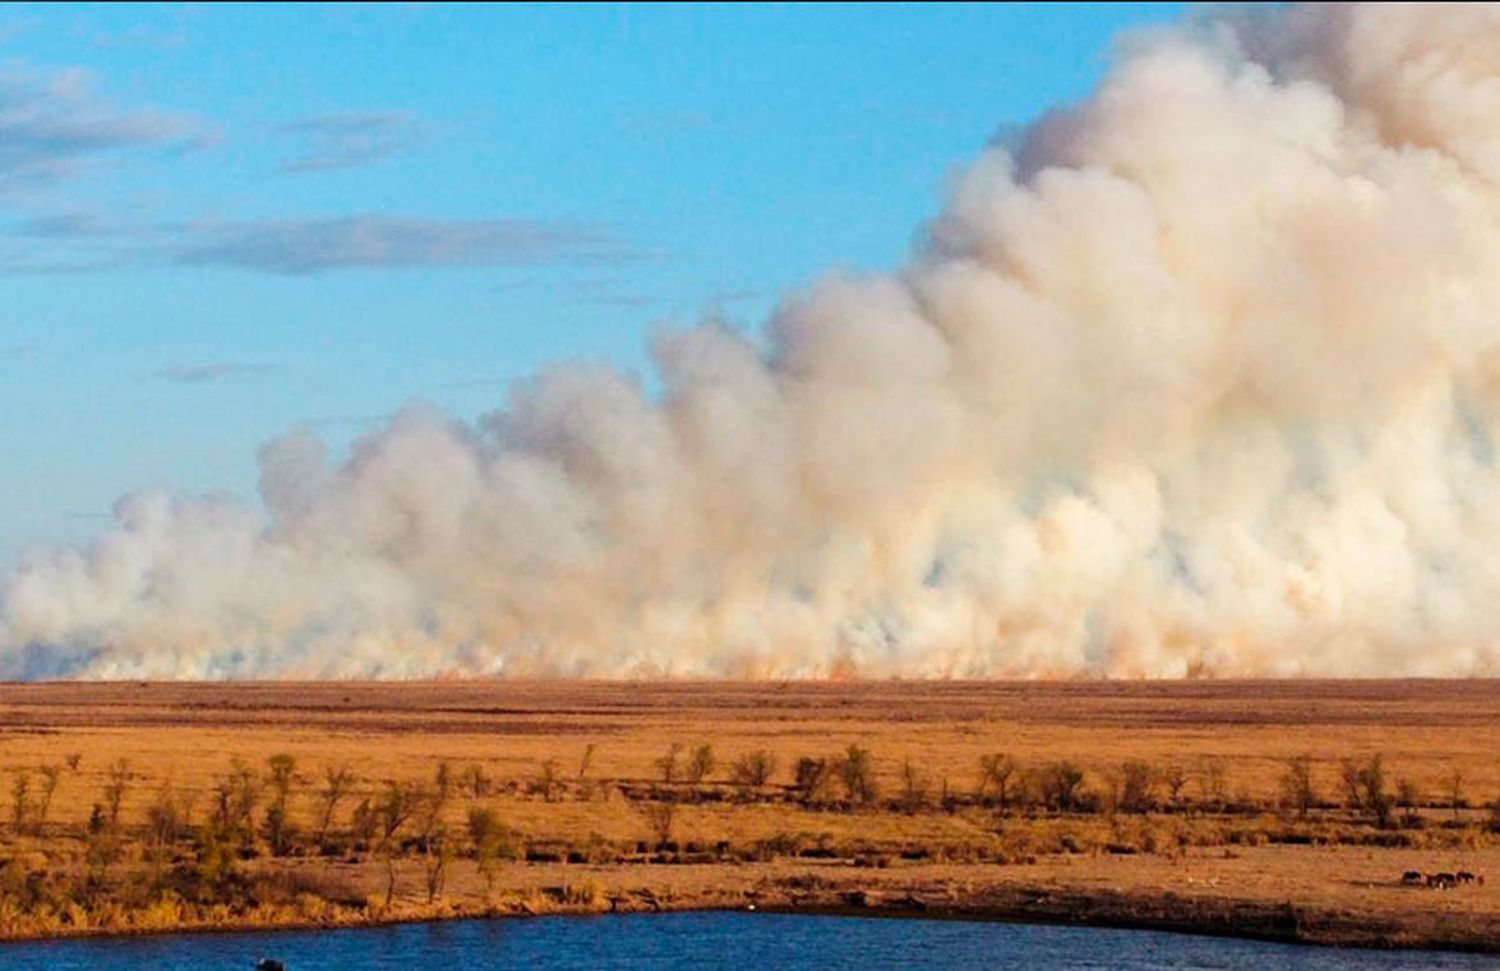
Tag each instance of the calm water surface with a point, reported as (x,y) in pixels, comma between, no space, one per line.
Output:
(736,941)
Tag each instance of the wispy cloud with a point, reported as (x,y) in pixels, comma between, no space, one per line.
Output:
(51,125)
(349,141)
(307,246)
(208,373)
(69,224)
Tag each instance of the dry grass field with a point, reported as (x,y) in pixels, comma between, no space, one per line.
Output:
(1180,802)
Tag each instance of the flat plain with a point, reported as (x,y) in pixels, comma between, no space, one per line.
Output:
(593,801)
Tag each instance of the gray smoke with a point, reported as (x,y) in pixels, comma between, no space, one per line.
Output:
(1200,376)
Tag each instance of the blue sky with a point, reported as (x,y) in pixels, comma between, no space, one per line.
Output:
(217,222)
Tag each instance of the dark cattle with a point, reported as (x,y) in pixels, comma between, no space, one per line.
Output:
(1442,881)
(1464,876)
(1411,878)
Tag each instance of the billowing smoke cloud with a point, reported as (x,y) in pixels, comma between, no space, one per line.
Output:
(1200,376)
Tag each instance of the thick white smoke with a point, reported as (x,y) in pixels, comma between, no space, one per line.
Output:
(1201,377)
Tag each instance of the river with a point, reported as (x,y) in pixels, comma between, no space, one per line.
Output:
(705,942)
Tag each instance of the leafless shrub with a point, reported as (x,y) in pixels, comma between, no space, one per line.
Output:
(365,822)
(1409,798)
(115,785)
(914,787)
(856,770)
(51,775)
(337,781)
(1213,781)
(1297,791)
(701,764)
(473,781)
(812,779)
(1060,786)
(397,804)
(486,835)
(20,801)
(435,864)
(1365,789)
(667,765)
(235,797)
(432,803)
(1136,787)
(997,771)
(1175,777)
(754,768)
(547,780)
(281,775)
(1453,788)
(661,817)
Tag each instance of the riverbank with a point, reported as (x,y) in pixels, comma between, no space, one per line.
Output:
(1271,894)
(1275,810)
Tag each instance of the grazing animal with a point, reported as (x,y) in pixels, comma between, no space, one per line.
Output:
(1464,876)
(1412,878)
(1442,881)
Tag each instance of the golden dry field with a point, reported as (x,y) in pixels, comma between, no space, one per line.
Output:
(588,808)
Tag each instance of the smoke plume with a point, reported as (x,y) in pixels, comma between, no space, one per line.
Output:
(1200,376)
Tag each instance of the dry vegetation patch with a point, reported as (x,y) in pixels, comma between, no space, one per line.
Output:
(132,807)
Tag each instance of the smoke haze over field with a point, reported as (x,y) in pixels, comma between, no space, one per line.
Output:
(1199,376)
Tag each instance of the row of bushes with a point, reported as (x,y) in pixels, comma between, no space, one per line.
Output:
(251,811)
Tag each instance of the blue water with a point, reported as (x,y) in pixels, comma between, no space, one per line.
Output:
(707,941)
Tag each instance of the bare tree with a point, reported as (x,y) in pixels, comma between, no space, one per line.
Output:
(397,803)
(1061,785)
(473,781)
(1453,785)
(337,781)
(20,803)
(914,786)
(439,854)
(51,775)
(856,770)
(485,834)
(1297,786)
(547,780)
(164,825)
(661,817)
(434,805)
(114,792)
(754,768)
(278,829)
(702,763)
(1213,780)
(1368,786)
(235,797)
(667,764)
(1408,798)
(995,774)
(365,821)
(1349,778)
(1175,777)
(812,778)
(1136,787)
